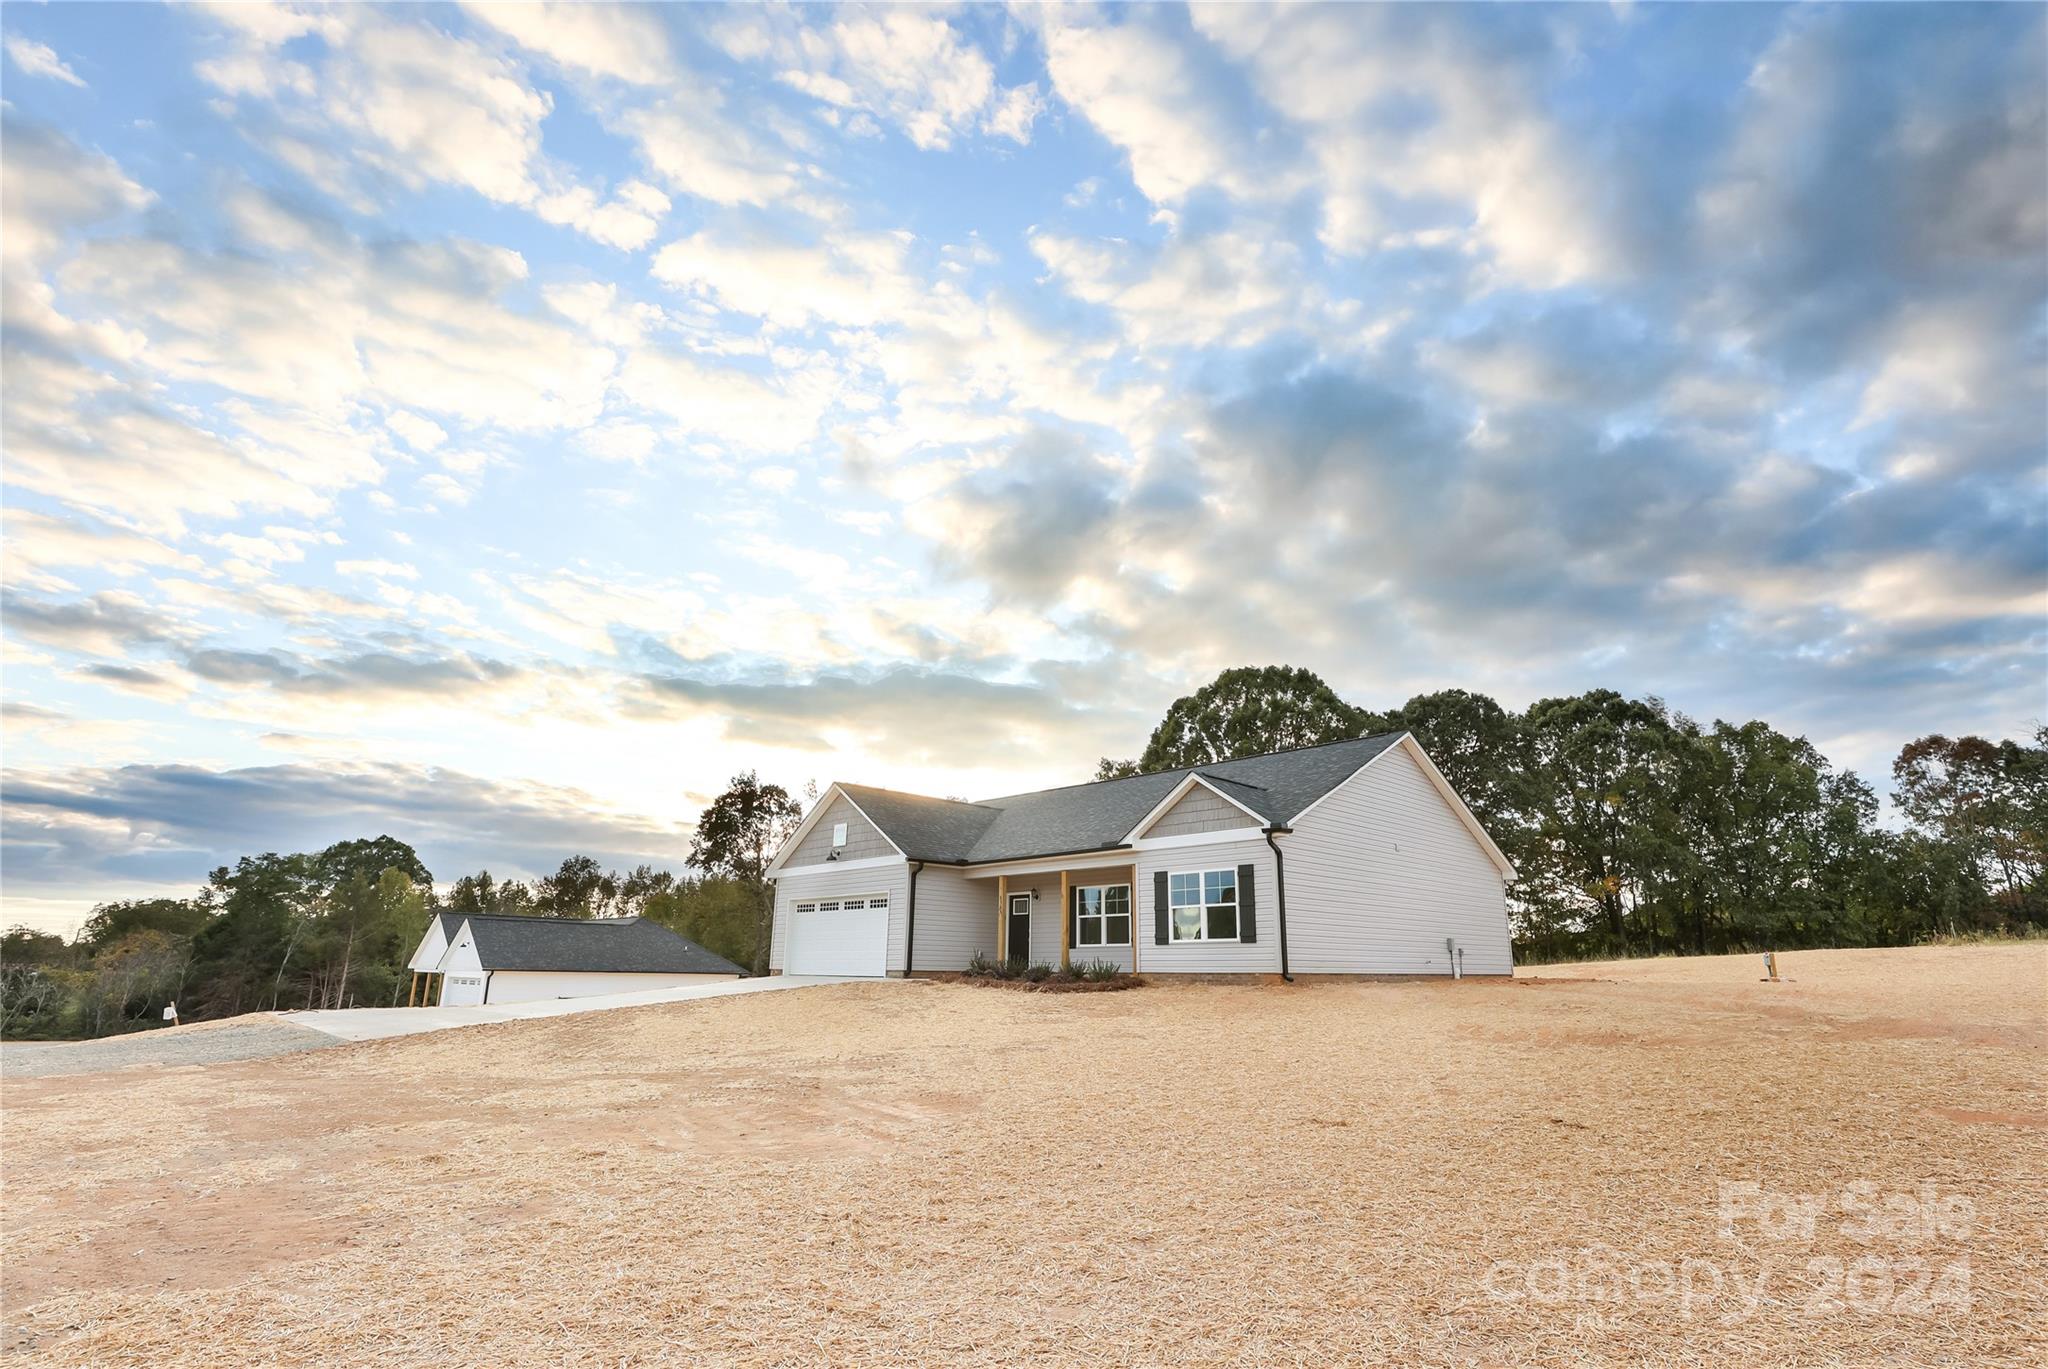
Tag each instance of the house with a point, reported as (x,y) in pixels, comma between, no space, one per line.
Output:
(491,958)
(1351,858)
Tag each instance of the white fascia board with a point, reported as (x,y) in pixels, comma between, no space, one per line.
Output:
(1227,836)
(1180,791)
(431,948)
(1465,814)
(450,960)
(826,867)
(1048,865)
(1443,787)
(776,867)
(872,823)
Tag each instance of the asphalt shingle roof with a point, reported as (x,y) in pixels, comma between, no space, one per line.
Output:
(604,945)
(1090,817)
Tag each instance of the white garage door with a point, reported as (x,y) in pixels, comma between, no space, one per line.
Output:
(839,936)
(461,990)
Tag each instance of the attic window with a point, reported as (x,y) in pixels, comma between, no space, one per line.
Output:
(838,835)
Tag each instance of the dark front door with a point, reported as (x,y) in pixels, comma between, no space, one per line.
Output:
(1020,927)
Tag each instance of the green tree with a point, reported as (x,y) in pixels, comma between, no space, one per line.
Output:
(479,893)
(1249,711)
(716,913)
(738,835)
(1481,749)
(261,910)
(1606,770)
(580,888)
(177,917)
(1110,769)
(371,857)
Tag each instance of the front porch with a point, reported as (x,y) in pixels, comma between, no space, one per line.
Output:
(1070,914)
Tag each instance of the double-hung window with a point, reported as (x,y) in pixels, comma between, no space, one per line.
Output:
(1202,905)
(1102,915)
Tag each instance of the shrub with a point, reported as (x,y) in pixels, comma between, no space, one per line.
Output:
(1098,971)
(1037,972)
(981,966)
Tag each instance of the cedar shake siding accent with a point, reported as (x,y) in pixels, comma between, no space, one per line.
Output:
(1381,872)
(862,840)
(1200,810)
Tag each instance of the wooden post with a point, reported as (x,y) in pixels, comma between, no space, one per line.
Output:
(412,996)
(1133,881)
(1066,918)
(1003,919)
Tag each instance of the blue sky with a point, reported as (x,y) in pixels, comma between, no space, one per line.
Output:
(497,426)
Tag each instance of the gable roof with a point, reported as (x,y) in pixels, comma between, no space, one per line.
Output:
(1103,815)
(603,945)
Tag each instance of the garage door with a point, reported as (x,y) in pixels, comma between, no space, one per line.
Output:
(839,936)
(462,990)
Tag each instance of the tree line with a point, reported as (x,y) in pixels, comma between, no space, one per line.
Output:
(1639,831)
(1634,830)
(328,929)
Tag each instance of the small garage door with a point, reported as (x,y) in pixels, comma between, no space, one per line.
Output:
(839,936)
(462,990)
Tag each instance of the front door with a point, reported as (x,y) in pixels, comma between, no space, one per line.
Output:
(1020,927)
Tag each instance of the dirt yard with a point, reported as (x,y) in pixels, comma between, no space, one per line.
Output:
(1475,1173)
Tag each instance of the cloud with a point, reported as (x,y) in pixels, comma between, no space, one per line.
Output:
(623,42)
(908,67)
(105,624)
(79,831)
(920,717)
(39,59)
(690,144)
(1157,97)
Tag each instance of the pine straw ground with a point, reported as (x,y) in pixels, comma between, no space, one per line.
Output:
(929,1173)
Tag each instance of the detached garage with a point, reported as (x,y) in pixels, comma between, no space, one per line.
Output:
(490,958)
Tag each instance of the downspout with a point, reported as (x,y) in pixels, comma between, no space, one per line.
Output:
(910,927)
(1280,891)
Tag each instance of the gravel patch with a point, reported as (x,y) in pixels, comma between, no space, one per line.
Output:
(210,1046)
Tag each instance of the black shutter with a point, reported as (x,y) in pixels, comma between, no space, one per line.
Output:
(1159,907)
(1073,917)
(1247,907)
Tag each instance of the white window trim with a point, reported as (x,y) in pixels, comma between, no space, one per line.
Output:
(1236,905)
(1130,908)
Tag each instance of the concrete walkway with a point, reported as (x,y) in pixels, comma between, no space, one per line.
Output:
(370,1024)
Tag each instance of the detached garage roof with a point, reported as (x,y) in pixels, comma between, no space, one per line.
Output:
(1088,817)
(604,945)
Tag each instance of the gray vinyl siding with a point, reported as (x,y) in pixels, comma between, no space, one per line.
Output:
(1200,810)
(956,917)
(1209,957)
(1382,871)
(863,841)
(893,880)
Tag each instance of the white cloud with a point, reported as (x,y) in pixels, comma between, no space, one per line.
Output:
(847,277)
(1015,113)
(625,42)
(39,59)
(422,435)
(1143,91)
(692,146)
(387,570)
(906,66)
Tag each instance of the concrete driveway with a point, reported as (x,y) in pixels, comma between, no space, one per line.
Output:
(369,1024)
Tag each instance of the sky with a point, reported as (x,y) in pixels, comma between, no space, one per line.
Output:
(500,426)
